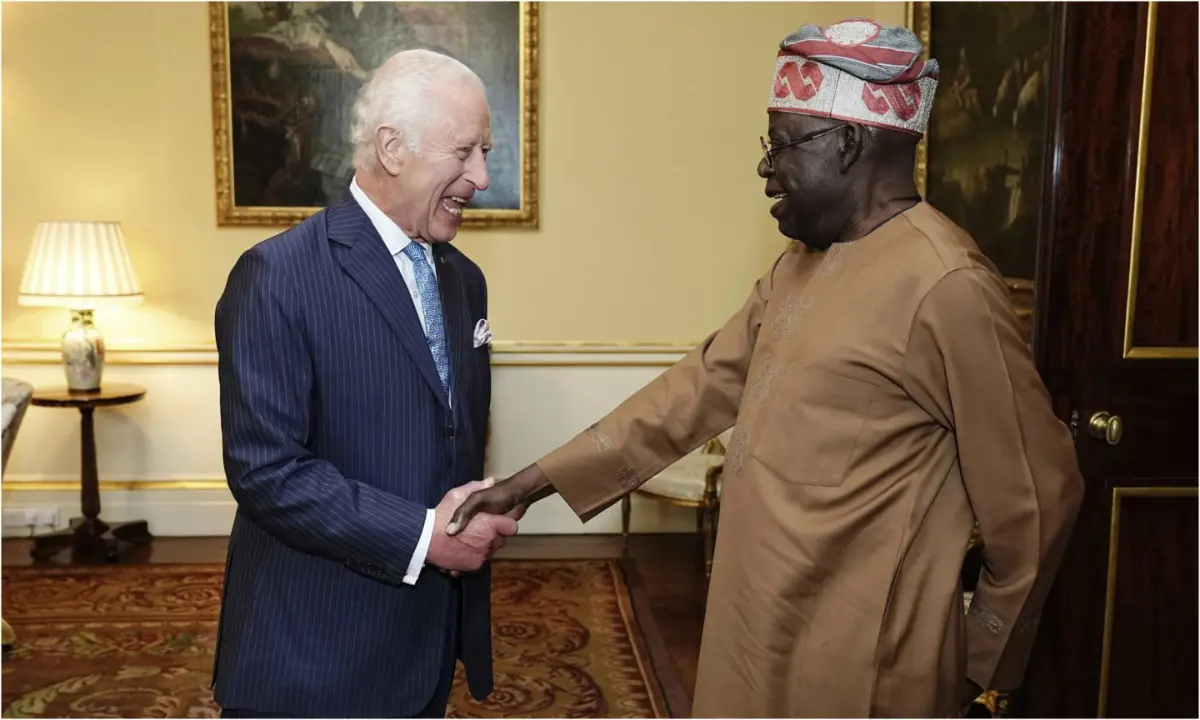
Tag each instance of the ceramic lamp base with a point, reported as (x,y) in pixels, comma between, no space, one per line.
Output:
(83,352)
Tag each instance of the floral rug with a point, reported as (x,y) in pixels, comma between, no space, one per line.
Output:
(137,641)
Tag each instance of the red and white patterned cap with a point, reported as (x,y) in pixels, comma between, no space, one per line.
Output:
(858,71)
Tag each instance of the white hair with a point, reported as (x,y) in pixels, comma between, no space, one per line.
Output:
(398,96)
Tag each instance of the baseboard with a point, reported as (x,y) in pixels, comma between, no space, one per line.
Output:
(209,512)
(171,513)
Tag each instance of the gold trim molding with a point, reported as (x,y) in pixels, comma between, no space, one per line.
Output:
(918,19)
(230,215)
(112,485)
(1130,351)
(45,352)
(1110,592)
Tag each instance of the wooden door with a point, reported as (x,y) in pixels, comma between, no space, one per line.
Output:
(1115,335)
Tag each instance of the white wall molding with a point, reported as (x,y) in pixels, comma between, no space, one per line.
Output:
(160,459)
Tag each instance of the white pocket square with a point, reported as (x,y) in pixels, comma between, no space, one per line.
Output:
(483,333)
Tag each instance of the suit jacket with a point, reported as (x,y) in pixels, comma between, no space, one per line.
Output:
(337,439)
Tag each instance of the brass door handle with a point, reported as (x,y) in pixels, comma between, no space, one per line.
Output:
(1106,427)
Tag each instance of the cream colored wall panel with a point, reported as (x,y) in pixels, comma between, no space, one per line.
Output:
(172,434)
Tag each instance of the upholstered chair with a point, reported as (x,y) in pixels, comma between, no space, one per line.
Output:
(16,397)
(693,481)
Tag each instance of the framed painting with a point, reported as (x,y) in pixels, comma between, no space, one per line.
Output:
(285,75)
(982,161)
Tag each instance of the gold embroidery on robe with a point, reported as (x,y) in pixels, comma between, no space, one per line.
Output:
(603,442)
(766,376)
(833,259)
(988,619)
(737,448)
(791,310)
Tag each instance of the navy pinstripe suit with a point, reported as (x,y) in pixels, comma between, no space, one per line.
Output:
(337,439)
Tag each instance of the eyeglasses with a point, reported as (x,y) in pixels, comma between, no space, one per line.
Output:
(769,151)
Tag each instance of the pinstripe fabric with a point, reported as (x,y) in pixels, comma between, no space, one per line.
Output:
(337,438)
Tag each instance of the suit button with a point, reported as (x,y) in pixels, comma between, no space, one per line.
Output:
(450,431)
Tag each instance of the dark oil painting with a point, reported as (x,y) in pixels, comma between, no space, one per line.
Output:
(987,130)
(294,69)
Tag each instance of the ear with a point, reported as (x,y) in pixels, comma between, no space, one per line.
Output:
(853,140)
(389,148)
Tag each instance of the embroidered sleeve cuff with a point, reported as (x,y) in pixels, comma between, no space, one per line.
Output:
(418,556)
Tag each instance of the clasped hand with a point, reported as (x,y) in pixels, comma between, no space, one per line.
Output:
(469,548)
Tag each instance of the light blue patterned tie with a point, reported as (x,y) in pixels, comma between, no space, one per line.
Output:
(431,306)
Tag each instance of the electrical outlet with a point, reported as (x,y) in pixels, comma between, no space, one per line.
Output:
(31,517)
(18,517)
(47,516)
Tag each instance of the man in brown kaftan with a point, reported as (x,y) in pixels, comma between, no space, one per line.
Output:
(882,399)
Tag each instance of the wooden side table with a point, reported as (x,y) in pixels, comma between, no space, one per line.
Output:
(89,537)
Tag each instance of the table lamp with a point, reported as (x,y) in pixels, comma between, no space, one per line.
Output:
(81,266)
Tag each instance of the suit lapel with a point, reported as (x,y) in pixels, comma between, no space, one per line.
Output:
(365,258)
(454,308)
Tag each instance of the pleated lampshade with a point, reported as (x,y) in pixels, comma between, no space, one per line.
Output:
(79,265)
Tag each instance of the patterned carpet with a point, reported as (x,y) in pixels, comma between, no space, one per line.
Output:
(137,641)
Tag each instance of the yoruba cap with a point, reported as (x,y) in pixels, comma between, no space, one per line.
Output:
(858,71)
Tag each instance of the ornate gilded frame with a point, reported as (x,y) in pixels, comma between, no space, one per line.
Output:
(231,215)
(918,18)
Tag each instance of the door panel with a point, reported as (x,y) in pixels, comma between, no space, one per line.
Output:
(1150,604)
(1163,274)
(1115,337)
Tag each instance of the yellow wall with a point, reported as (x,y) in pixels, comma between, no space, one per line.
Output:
(653,225)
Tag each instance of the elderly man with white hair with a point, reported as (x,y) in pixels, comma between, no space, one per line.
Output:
(354,406)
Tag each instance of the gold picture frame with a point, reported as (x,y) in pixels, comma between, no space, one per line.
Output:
(919,19)
(524,175)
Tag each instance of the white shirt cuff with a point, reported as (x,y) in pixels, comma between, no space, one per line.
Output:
(418,556)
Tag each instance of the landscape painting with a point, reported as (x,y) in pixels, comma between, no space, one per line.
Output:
(285,76)
(985,157)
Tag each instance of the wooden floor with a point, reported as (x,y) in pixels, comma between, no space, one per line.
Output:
(671,568)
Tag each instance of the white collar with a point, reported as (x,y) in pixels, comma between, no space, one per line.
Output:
(393,237)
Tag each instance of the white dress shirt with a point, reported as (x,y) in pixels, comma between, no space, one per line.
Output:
(395,240)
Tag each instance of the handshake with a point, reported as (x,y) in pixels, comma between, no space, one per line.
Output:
(473,520)
(466,545)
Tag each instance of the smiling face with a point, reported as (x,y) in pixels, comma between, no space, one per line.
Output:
(808,179)
(426,191)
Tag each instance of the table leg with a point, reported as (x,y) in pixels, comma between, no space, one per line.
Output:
(89,480)
(90,538)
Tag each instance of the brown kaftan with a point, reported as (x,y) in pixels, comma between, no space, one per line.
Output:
(879,393)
